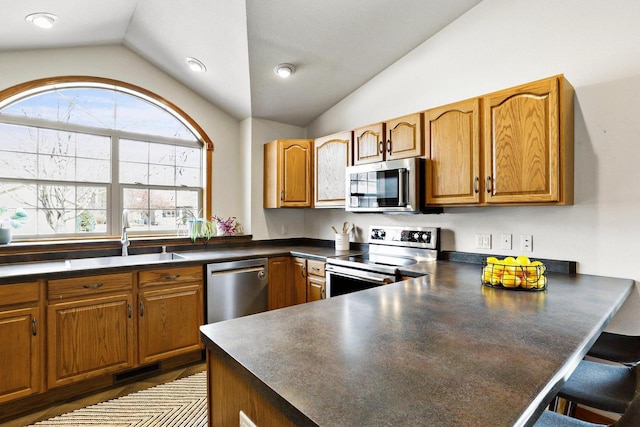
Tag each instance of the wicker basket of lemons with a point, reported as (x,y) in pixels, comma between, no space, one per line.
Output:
(519,273)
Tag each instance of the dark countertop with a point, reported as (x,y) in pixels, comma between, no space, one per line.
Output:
(18,272)
(439,350)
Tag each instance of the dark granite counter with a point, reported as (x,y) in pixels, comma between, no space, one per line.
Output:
(439,350)
(16,272)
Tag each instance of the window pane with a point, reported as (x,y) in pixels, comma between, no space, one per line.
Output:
(135,114)
(189,177)
(161,175)
(134,173)
(162,154)
(186,156)
(56,168)
(136,198)
(17,138)
(18,165)
(134,151)
(90,170)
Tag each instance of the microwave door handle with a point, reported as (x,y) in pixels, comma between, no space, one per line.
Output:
(401,190)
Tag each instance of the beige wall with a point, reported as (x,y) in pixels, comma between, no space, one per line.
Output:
(502,43)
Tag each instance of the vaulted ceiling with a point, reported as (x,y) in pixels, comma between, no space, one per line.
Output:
(335,45)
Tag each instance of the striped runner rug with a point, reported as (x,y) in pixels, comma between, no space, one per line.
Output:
(180,403)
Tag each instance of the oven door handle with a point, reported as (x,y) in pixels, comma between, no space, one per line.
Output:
(360,275)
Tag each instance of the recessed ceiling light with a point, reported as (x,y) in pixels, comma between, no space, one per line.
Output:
(196,65)
(41,19)
(284,70)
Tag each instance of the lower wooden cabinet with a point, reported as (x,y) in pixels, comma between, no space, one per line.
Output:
(21,337)
(89,337)
(295,280)
(170,312)
(316,282)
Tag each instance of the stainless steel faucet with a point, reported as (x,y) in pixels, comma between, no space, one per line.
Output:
(125,239)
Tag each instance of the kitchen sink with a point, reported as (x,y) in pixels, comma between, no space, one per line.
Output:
(117,261)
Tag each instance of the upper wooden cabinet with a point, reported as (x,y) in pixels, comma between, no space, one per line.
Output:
(528,143)
(395,139)
(452,135)
(368,144)
(288,173)
(404,137)
(331,155)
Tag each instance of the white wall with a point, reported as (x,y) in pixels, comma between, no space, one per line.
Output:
(271,223)
(502,43)
(117,62)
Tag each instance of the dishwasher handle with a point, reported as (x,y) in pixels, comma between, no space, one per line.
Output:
(260,270)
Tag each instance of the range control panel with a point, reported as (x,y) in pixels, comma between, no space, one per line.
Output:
(422,237)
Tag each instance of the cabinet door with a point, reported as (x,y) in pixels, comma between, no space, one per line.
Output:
(296,178)
(279,280)
(20,353)
(297,292)
(523,144)
(331,154)
(368,144)
(316,288)
(89,338)
(404,137)
(169,321)
(453,147)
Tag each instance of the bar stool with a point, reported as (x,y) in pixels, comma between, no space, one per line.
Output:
(610,388)
(618,348)
(631,418)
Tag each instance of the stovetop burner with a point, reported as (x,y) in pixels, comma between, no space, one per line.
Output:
(392,247)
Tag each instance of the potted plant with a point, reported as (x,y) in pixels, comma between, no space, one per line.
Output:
(8,221)
(227,227)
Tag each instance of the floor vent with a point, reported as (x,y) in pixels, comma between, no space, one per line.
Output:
(122,376)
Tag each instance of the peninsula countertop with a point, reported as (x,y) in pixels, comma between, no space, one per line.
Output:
(438,350)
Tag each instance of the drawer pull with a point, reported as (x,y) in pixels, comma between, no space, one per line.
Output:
(171,276)
(129,310)
(141,309)
(315,268)
(34,326)
(93,285)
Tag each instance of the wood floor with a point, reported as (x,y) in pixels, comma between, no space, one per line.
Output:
(112,393)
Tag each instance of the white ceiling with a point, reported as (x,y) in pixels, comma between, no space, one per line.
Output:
(336,45)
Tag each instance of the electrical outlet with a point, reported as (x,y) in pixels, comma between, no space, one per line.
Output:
(526,243)
(483,241)
(506,241)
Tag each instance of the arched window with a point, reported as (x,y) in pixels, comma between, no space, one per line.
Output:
(75,152)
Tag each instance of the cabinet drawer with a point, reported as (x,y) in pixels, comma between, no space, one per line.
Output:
(90,285)
(169,276)
(315,268)
(18,293)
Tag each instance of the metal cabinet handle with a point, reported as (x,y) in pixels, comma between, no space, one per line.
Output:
(476,183)
(381,147)
(92,285)
(323,292)
(389,146)
(282,195)
(303,271)
(171,276)
(488,185)
(129,310)
(141,309)
(315,268)
(34,326)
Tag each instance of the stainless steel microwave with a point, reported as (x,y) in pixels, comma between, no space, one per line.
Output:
(391,186)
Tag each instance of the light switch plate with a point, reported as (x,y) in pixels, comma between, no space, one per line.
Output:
(526,243)
(506,241)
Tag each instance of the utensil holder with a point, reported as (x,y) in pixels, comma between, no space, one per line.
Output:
(342,242)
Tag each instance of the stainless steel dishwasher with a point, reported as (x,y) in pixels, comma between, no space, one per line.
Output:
(236,289)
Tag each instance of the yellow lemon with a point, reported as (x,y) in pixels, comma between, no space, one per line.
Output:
(540,266)
(492,260)
(542,282)
(509,260)
(528,283)
(523,260)
(510,281)
(486,274)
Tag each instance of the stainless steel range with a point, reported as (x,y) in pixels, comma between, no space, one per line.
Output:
(389,249)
